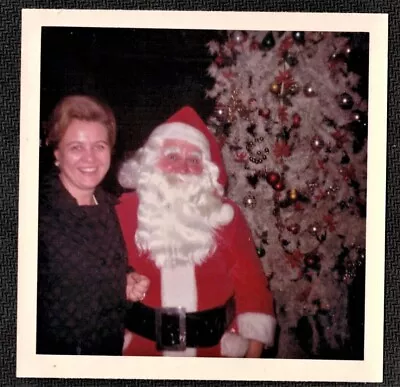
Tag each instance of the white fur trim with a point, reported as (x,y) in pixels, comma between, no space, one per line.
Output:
(127,340)
(233,345)
(127,174)
(178,289)
(181,131)
(224,216)
(257,326)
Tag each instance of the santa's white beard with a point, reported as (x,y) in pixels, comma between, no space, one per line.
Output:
(178,216)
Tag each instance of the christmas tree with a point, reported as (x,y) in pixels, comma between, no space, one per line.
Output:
(292,127)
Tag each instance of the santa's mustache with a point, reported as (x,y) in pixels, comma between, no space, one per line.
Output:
(171,187)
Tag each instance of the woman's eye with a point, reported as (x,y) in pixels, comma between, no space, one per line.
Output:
(100,147)
(76,148)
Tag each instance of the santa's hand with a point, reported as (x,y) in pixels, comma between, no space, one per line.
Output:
(136,286)
(255,349)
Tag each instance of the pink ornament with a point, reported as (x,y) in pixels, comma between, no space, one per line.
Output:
(252,104)
(241,156)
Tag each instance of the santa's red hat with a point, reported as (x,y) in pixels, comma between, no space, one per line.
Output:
(186,125)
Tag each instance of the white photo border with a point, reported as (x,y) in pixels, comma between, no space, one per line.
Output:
(29,364)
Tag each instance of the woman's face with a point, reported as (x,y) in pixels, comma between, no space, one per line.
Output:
(84,156)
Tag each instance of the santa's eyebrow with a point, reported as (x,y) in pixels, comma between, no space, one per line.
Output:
(171,149)
(196,154)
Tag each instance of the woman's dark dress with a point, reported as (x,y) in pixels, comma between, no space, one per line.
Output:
(82,268)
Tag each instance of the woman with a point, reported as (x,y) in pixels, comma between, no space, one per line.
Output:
(84,282)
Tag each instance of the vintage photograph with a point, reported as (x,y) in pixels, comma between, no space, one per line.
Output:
(202,193)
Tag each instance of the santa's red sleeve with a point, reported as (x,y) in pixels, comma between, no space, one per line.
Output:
(255,317)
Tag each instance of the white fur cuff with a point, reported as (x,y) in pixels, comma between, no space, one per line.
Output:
(233,345)
(257,326)
(127,339)
(127,174)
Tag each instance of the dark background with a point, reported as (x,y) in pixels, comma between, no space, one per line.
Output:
(10,29)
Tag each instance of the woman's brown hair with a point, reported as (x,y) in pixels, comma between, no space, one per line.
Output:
(80,107)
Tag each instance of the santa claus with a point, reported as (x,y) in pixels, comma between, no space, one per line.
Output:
(208,294)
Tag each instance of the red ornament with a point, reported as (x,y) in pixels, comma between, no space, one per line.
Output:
(294,228)
(272,178)
(265,113)
(298,206)
(278,186)
(219,60)
(296,120)
(254,45)
(340,137)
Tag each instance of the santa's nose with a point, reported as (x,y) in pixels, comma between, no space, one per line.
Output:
(185,167)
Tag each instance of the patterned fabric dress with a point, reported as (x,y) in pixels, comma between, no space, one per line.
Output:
(82,267)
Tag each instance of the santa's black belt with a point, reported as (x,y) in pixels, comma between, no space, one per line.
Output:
(174,329)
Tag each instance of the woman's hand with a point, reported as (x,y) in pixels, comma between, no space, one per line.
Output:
(255,349)
(136,286)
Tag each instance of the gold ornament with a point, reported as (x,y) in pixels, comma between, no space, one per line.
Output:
(275,88)
(293,194)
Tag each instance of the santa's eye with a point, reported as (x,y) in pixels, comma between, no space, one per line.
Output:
(194,160)
(173,156)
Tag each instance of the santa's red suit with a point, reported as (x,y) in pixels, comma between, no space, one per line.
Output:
(233,270)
